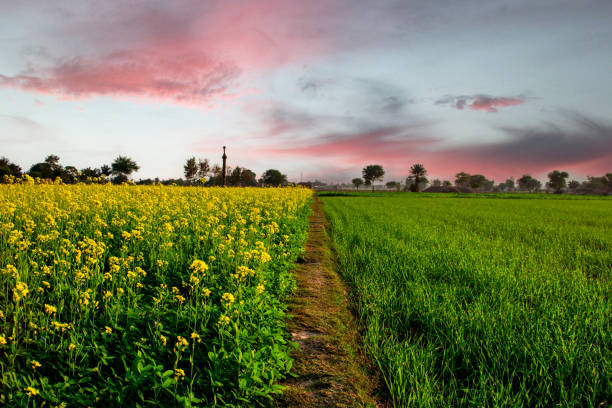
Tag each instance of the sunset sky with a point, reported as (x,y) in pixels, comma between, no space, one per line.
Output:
(317,89)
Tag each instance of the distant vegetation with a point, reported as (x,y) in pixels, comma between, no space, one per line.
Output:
(465,182)
(200,172)
(195,171)
(469,301)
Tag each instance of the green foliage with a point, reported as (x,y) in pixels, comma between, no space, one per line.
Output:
(242,177)
(528,183)
(357,182)
(478,301)
(190,169)
(122,167)
(557,180)
(273,177)
(418,173)
(145,296)
(372,173)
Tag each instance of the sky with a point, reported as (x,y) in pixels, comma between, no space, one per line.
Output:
(317,89)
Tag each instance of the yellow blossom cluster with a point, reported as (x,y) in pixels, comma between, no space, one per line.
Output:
(89,268)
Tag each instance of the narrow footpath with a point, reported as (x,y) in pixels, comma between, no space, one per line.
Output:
(330,361)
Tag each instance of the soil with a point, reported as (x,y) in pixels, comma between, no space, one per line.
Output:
(330,367)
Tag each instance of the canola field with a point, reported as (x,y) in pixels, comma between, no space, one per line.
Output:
(145,296)
(481,301)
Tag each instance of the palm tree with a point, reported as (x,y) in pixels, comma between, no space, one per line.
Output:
(122,167)
(418,172)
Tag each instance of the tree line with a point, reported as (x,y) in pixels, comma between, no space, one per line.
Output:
(196,172)
(464,182)
(51,169)
(200,171)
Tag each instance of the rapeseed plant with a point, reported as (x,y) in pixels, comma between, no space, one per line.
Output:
(101,277)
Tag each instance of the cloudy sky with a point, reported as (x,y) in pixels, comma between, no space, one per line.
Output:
(316,88)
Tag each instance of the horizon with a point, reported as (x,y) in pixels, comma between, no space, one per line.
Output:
(317,90)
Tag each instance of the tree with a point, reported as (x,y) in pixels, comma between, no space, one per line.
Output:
(203,168)
(57,170)
(216,176)
(476,181)
(7,168)
(52,160)
(608,181)
(418,172)
(573,185)
(273,177)
(528,183)
(41,170)
(371,173)
(557,181)
(357,181)
(122,167)
(392,184)
(248,178)
(509,184)
(106,170)
(446,183)
(235,177)
(190,169)
(70,174)
(88,172)
(462,179)
(436,183)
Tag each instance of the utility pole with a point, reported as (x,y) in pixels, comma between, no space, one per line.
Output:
(224,157)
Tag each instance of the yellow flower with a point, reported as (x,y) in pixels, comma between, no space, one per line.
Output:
(20,291)
(35,364)
(163,339)
(46,284)
(195,336)
(71,347)
(31,391)
(50,309)
(107,330)
(179,373)
(259,289)
(227,299)
(198,266)
(2,339)
(181,341)
(1,314)
(206,292)
(264,257)
(223,320)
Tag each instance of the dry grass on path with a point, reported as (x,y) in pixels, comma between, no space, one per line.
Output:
(330,362)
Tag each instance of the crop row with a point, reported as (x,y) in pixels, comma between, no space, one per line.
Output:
(481,301)
(157,296)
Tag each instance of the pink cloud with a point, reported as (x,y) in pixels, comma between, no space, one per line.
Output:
(480,102)
(391,145)
(488,103)
(584,147)
(188,52)
(193,79)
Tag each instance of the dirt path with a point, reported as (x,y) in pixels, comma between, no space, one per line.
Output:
(328,363)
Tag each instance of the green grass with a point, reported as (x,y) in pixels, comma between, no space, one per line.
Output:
(481,301)
(514,196)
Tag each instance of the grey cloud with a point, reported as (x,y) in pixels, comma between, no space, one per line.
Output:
(481,101)
(580,140)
